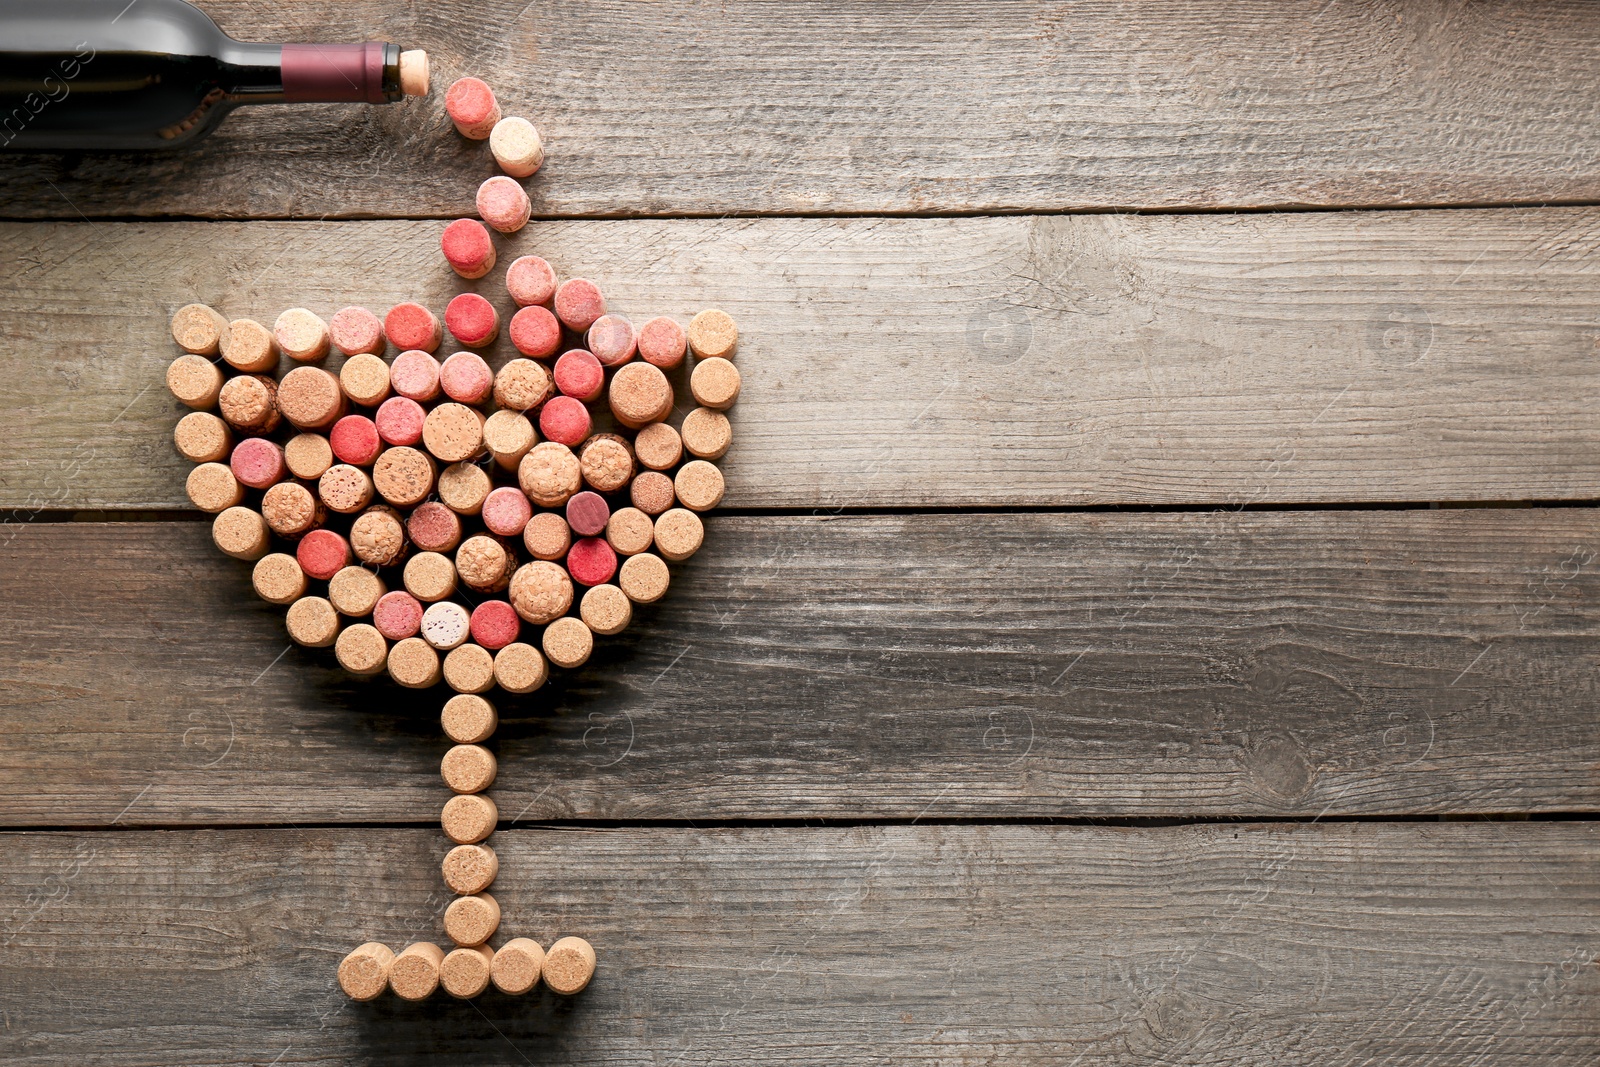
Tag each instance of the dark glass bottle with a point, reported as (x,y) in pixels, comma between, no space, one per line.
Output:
(151,74)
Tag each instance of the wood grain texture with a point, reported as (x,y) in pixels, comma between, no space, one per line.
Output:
(977,665)
(1051,361)
(1437,945)
(948,106)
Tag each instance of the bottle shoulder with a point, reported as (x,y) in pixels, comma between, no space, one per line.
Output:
(93,26)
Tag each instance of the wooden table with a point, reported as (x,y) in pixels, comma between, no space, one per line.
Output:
(1156,619)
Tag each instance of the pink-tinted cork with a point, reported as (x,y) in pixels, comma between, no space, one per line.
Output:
(662,342)
(472,320)
(564,420)
(506,511)
(415,376)
(257,462)
(612,340)
(472,108)
(578,374)
(495,624)
(354,439)
(504,204)
(531,280)
(466,244)
(579,303)
(535,332)
(466,378)
(399,421)
(322,554)
(411,325)
(591,561)
(398,615)
(433,527)
(355,330)
(588,513)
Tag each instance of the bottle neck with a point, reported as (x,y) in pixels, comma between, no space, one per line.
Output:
(312,73)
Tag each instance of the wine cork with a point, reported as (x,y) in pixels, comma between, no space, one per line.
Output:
(403,476)
(249,403)
(495,623)
(466,245)
(640,394)
(414,664)
(606,610)
(568,966)
(522,384)
(516,147)
(467,720)
(308,456)
(658,446)
(698,485)
(199,329)
(365,379)
(310,398)
(468,768)
(415,375)
(301,335)
(516,966)
(445,625)
(578,303)
(398,615)
(355,591)
(578,374)
(484,564)
(412,327)
(612,339)
(679,534)
(463,487)
(469,669)
(661,342)
(356,331)
(414,73)
(213,488)
(644,578)
(250,347)
(470,868)
(531,280)
(713,335)
(504,204)
(541,591)
(291,510)
(201,437)
(313,622)
(549,474)
(652,493)
(469,817)
(568,642)
(322,554)
(547,536)
(354,440)
(257,462)
(464,973)
(591,561)
(715,384)
(241,533)
(630,531)
(453,432)
(588,513)
(508,435)
(345,489)
(361,650)
(707,433)
(520,668)
(414,974)
(378,537)
(472,920)
(433,527)
(430,576)
(278,579)
(472,321)
(364,974)
(472,108)
(399,420)
(506,511)
(606,462)
(195,381)
(466,378)
(535,332)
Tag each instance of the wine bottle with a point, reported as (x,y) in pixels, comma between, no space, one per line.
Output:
(153,74)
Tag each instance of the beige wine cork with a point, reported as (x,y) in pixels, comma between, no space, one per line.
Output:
(414,974)
(468,719)
(516,966)
(707,433)
(250,347)
(362,650)
(430,576)
(345,489)
(698,485)
(414,74)
(278,579)
(550,474)
(508,435)
(364,974)
(541,592)
(469,817)
(199,329)
(354,591)
(446,625)
(403,476)
(679,534)
(644,578)
(464,973)
(201,437)
(365,379)
(213,488)
(378,537)
(463,487)
(713,335)
(250,403)
(715,384)
(308,456)
(241,533)
(547,536)
(640,394)
(484,565)
(311,399)
(195,381)
(453,432)
(469,669)
(568,642)
(516,147)
(522,385)
(658,446)
(302,335)
(472,920)
(291,510)
(606,462)
(630,531)
(413,663)
(470,868)
(606,610)
(520,668)
(652,493)
(568,966)
(468,768)
(313,622)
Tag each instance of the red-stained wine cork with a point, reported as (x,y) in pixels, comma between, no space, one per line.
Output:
(378,537)
(466,378)
(612,339)
(679,534)
(399,420)
(579,303)
(241,533)
(520,668)
(541,591)
(466,245)
(250,347)
(403,476)
(361,650)
(278,579)
(516,147)
(606,610)
(606,461)
(414,664)
(464,974)
(468,720)
(468,768)
(257,462)
(568,966)
(308,455)
(516,966)
(354,439)
(365,379)
(453,432)
(547,536)
(713,335)
(535,332)
(507,511)
(578,374)
(433,527)
(587,514)
(662,342)
(311,399)
(658,446)
(591,561)
(630,531)
(412,327)
(470,817)
(469,669)
(201,437)
(564,420)
(250,403)
(213,488)
(698,485)
(707,433)
(415,376)
(472,920)
(652,493)
(549,474)
(495,623)
(508,435)
(364,974)
(398,615)
(568,642)
(640,394)
(355,330)
(463,487)
(291,510)
(322,554)
(644,578)
(470,868)
(503,204)
(345,489)
(446,625)
(355,591)
(313,622)
(195,381)
(522,384)
(430,576)
(473,321)
(472,108)
(715,384)
(302,335)
(531,280)
(199,329)
(414,974)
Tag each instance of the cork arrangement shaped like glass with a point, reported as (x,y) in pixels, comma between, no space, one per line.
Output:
(440,520)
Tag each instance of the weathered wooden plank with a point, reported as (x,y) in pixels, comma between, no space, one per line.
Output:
(1446,945)
(953,105)
(1061,360)
(1311,663)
